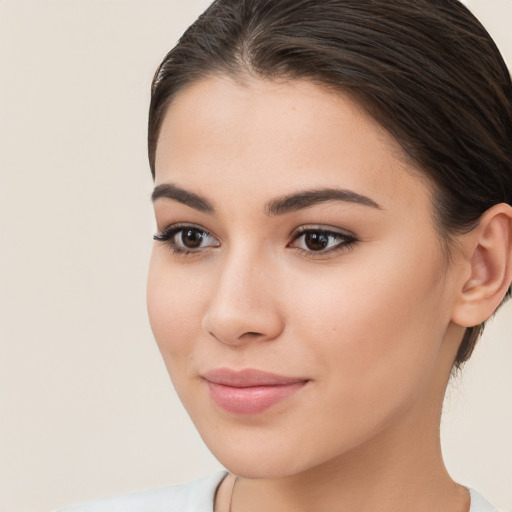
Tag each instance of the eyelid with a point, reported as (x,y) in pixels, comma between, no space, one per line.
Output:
(167,234)
(345,243)
(182,225)
(322,228)
(347,240)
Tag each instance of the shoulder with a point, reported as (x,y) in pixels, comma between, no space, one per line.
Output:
(196,496)
(479,503)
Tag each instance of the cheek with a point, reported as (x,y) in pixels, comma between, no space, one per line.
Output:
(372,335)
(175,301)
(377,319)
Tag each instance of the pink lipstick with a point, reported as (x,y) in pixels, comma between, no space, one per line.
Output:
(249,391)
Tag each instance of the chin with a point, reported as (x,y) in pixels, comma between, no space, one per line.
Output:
(255,454)
(262,465)
(262,455)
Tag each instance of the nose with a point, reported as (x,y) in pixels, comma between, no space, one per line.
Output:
(243,304)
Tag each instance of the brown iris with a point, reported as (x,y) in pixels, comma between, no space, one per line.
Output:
(192,238)
(316,241)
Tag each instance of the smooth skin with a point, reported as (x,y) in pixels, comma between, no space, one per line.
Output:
(372,319)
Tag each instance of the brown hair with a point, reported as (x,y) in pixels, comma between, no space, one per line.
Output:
(426,70)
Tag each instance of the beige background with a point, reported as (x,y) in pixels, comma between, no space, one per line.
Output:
(86,409)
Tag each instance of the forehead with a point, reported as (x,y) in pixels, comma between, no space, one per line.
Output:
(267,135)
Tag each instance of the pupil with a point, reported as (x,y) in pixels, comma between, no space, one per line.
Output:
(192,238)
(316,241)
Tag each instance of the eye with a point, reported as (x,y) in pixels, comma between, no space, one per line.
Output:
(321,241)
(185,239)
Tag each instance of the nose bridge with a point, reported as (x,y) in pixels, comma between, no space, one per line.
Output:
(243,304)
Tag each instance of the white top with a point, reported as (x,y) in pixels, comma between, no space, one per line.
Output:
(196,496)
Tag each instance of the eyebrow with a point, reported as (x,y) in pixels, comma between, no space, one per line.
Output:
(279,206)
(171,191)
(308,198)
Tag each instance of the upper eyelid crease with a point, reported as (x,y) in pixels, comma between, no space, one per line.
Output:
(322,228)
(176,228)
(328,232)
(279,206)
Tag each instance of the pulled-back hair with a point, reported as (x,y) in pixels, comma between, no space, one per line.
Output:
(426,70)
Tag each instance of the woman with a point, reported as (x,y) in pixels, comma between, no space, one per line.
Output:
(333,182)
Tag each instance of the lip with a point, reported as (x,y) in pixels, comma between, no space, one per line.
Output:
(250,391)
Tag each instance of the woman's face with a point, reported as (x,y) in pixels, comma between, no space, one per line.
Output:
(298,293)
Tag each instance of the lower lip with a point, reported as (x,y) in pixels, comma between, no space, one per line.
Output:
(253,399)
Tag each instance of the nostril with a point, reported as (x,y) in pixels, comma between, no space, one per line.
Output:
(244,336)
(251,334)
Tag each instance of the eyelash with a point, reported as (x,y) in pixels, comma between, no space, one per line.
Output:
(346,241)
(167,235)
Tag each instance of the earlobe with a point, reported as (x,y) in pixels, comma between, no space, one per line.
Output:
(488,262)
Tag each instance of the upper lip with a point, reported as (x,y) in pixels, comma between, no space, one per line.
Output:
(248,377)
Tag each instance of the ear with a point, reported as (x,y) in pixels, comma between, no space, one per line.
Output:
(487,267)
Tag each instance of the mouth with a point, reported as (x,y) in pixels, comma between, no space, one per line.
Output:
(250,391)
